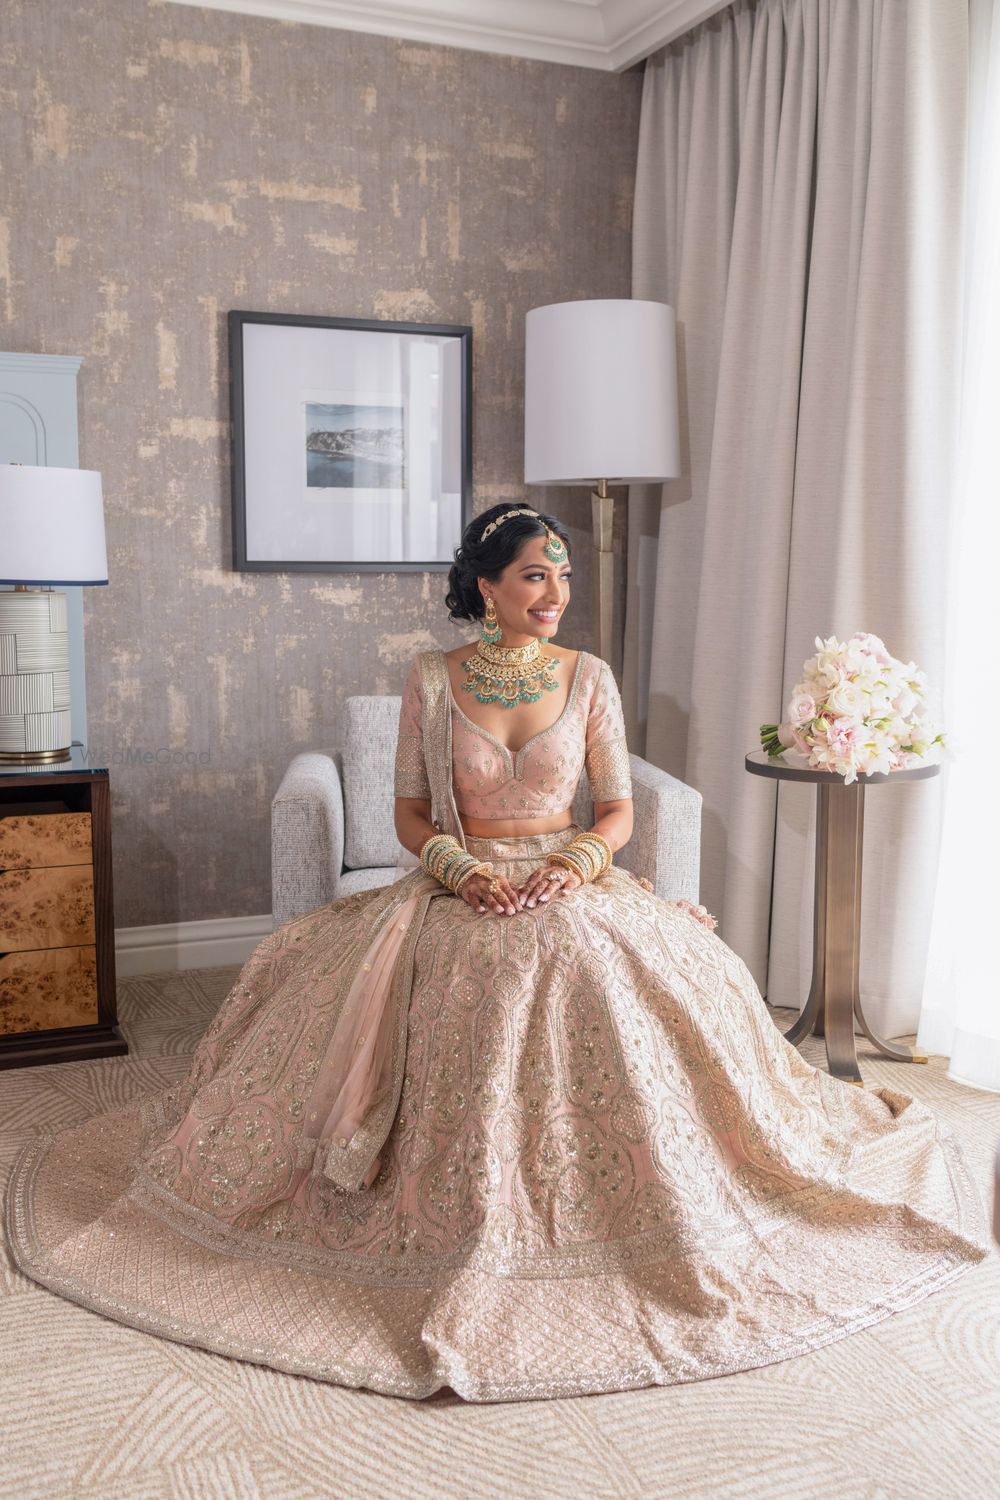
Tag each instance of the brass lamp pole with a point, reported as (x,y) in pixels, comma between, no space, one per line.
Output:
(602,509)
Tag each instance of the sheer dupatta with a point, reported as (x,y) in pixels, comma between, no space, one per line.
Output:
(436,732)
(356,1094)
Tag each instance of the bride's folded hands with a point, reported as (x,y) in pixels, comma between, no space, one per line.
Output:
(541,885)
(506,898)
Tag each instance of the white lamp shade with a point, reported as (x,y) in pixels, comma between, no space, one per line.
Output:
(51,526)
(600,392)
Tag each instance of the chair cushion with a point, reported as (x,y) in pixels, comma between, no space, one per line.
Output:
(353,881)
(371,726)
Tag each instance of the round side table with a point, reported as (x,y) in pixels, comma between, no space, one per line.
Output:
(834,997)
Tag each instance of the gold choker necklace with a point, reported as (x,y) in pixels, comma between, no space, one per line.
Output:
(509,675)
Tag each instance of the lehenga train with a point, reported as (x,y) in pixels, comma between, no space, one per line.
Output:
(539,1155)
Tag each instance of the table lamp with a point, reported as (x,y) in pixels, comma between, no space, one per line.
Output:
(600,407)
(51,533)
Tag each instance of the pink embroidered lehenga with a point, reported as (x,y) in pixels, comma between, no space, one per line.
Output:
(538,1155)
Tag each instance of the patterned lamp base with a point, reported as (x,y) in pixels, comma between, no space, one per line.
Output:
(34,675)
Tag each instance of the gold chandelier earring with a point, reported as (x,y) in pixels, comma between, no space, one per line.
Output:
(491,632)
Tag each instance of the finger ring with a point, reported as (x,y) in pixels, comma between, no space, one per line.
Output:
(493,887)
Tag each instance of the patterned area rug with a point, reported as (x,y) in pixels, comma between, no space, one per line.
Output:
(93,1409)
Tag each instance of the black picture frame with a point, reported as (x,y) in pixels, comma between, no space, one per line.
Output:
(331,460)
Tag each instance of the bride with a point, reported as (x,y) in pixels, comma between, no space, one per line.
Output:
(514,1124)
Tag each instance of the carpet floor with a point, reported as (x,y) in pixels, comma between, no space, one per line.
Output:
(96,1411)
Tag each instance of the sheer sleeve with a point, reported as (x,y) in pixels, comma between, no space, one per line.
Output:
(410,774)
(607,752)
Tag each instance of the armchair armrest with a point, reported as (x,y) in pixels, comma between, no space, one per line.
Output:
(307,835)
(665,846)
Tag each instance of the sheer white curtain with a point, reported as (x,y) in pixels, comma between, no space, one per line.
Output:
(960,1016)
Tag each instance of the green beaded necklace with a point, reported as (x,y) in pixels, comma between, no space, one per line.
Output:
(509,678)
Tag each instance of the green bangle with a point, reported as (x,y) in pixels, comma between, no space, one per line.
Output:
(598,846)
(570,862)
(479,867)
(596,849)
(583,856)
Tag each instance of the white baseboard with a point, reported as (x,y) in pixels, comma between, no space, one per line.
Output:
(188,945)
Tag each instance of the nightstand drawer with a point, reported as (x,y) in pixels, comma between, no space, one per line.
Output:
(47,908)
(47,989)
(30,842)
(57,914)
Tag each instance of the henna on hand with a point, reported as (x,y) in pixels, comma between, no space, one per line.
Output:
(551,880)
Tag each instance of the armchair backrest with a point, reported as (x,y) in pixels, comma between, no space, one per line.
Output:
(371,727)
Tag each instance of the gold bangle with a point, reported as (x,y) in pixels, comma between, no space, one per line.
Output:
(595,858)
(599,849)
(600,839)
(586,855)
(437,845)
(443,857)
(481,867)
(569,862)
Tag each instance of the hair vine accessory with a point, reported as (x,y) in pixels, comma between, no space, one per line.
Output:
(522,510)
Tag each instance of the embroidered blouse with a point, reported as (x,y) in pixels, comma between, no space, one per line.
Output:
(541,778)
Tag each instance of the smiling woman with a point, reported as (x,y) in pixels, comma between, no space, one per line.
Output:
(514,1124)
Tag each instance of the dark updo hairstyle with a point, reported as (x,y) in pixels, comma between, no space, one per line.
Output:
(475,559)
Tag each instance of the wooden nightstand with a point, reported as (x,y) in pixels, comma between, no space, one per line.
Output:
(57,930)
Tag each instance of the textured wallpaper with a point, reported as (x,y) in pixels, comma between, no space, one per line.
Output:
(163,164)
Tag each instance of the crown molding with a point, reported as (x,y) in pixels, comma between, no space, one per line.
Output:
(635,28)
(609,35)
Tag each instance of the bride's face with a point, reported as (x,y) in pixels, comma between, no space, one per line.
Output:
(532,592)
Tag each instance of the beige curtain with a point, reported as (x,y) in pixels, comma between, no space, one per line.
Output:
(798,202)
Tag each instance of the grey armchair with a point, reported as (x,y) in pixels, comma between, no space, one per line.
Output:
(332,829)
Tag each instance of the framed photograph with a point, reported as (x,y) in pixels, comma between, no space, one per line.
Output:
(352,443)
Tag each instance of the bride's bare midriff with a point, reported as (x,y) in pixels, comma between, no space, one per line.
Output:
(508,828)
(513,828)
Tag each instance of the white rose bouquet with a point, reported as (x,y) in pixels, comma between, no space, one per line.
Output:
(856,709)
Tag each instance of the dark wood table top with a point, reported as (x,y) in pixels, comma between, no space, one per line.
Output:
(794,769)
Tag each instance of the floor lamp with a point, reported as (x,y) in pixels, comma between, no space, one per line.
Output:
(600,407)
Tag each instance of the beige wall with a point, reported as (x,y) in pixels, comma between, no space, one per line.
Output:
(163,164)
